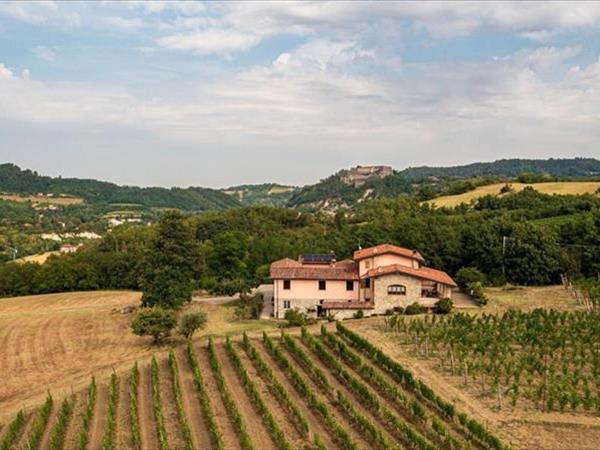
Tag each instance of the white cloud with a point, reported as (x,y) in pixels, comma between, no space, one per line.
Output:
(45,53)
(220,41)
(123,23)
(5,72)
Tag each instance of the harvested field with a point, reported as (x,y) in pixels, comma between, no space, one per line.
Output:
(557,188)
(41,199)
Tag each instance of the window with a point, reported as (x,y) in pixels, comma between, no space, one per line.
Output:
(349,285)
(368,264)
(322,285)
(286,284)
(368,283)
(396,289)
(286,304)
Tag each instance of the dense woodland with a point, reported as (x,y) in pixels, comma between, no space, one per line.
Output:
(226,251)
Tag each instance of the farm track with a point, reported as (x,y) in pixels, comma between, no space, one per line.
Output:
(123,419)
(191,403)
(149,438)
(230,439)
(341,418)
(339,386)
(72,434)
(282,416)
(315,422)
(45,441)
(169,406)
(98,426)
(258,433)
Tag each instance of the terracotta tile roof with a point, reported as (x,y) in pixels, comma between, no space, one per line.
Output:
(290,269)
(387,248)
(348,305)
(425,273)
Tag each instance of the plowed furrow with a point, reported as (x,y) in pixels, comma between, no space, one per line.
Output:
(123,420)
(169,406)
(191,404)
(148,434)
(315,421)
(230,440)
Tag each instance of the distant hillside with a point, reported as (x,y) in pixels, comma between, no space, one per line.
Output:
(18,181)
(334,191)
(509,168)
(269,194)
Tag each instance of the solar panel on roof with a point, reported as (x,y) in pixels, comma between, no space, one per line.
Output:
(318,258)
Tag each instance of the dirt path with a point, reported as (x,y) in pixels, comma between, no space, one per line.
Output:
(230,440)
(145,409)
(338,386)
(191,403)
(169,407)
(315,421)
(258,433)
(280,413)
(45,441)
(123,419)
(99,419)
(72,434)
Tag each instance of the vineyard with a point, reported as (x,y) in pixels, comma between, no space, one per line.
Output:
(314,391)
(543,359)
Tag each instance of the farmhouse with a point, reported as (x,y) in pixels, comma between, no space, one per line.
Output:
(375,280)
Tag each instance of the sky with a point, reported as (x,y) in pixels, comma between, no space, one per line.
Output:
(224,93)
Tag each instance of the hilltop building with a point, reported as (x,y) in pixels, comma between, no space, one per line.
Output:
(375,280)
(357,176)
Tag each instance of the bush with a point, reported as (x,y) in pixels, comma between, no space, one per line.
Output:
(477,292)
(506,189)
(414,308)
(297,318)
(156,322)
(191,322)
(249,307)
(359,314)
(443,306)
(467,275)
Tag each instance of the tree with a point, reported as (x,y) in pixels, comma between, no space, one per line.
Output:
(168,279)
(468,275)
(192,322)
(156,322)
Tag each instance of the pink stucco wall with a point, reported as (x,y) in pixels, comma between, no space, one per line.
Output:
(309,289)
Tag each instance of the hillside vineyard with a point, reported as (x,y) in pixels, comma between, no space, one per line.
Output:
(325,390)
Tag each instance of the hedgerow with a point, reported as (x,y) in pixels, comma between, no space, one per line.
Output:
(276,387)
(255,397)
(134,407)
(41,421)
(161,431)
(87,416)
(204,399)
(183,422)
(14,430)
(341,435)
(57,438)
(230,404)
(108,441)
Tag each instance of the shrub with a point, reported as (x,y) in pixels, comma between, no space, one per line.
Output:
(297,318)
(477,292)
(156,322)
(414,308)
(191,322)
(507,188)
(443,306)
(359,314)
(249,307)
(467,275)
